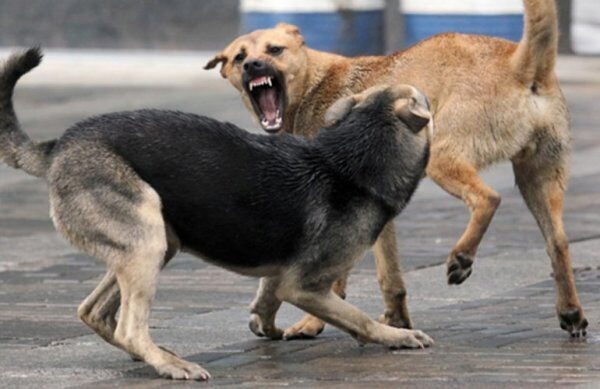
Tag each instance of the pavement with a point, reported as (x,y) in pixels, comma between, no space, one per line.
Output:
(498,329)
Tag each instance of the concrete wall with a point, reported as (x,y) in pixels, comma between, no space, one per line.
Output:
(135,24)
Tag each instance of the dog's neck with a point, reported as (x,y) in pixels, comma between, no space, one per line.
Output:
(329,77)
(369,156)
(319,64)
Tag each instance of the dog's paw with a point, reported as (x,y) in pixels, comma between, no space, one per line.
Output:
(395,319)
(179,369)
(260,329)
(307,328)
(459,268)
(573,321)
(409,339)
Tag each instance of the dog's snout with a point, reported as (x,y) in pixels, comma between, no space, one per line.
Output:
(254,65)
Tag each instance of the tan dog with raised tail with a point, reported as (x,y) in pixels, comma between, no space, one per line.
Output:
(492,100)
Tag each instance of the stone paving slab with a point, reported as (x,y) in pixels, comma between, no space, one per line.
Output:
(497,330)
(479,340)
(476,344)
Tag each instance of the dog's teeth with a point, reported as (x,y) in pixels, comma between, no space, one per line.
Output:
(270,83)
(250,86)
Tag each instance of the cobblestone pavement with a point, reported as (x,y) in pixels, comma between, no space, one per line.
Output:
(497,329)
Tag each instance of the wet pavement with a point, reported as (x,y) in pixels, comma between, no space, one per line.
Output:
(497,329)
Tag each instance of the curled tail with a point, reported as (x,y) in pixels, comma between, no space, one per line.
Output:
(16,148)
(535,57)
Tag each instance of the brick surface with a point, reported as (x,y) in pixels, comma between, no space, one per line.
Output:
(498,329)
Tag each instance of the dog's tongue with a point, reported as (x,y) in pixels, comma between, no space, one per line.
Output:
(267,100)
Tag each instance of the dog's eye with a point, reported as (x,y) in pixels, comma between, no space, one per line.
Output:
(275,50)
(240,57)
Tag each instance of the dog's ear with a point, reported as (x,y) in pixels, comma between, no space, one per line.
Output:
(291,30)
(412,107)
(340,109)
(219,58)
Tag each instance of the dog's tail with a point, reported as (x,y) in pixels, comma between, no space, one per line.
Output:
(16,148)
(535,57)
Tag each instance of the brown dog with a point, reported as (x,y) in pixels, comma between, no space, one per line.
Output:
(492,100)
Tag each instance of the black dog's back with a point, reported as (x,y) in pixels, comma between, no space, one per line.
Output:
(211,177)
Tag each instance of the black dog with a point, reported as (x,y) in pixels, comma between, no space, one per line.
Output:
(132,188)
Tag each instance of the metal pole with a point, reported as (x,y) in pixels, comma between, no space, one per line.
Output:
(393,26)
(564,22)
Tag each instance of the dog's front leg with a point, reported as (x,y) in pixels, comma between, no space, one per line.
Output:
(310,326)
(391,283)
(334,310)
(264,308)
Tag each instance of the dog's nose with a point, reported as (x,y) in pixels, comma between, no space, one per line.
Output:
(253,65)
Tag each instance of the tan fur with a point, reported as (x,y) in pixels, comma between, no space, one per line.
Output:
(130,282)
(390,279)
(311,326)
(492,100)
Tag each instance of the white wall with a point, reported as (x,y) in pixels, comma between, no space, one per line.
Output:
(585,26)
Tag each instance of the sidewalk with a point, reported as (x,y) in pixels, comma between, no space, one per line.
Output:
(497,330)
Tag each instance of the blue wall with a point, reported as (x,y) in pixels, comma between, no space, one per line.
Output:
(421,26)
(349,33)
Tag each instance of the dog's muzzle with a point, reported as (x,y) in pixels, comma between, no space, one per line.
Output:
(265,88)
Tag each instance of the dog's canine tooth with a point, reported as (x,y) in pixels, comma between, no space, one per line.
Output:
(269,81)
(250,86)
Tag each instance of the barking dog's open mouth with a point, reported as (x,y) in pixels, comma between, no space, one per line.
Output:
(268,98)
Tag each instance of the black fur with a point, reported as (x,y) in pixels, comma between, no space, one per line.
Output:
(243,199)
(236,198)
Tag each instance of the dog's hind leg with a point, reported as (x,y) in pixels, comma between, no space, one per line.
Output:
(542,179)
(264,309)
(390,279)
(106,210)
(98,311)
(461,179)
(137,273)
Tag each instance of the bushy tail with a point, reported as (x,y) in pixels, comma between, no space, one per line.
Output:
(535,57)
(16,148)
